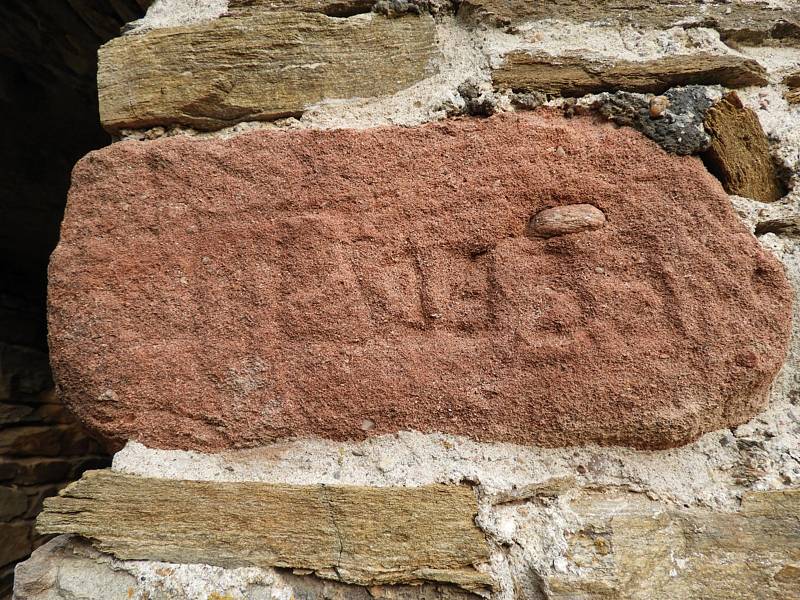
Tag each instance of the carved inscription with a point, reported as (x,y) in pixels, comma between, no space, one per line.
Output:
(361,285)
(461,277)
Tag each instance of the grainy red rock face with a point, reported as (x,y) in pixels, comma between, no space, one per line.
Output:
(344,284)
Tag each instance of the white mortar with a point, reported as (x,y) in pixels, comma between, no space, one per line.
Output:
(176,13)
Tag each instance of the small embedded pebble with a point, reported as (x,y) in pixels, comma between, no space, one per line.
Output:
(658,106)
(561,220)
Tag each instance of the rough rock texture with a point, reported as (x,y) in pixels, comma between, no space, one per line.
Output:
(792,95)
(69,568)
(617,544)
(212,74)
(331,8)
(48,66)
(41,445)
(740,21)
(630,547)
(739,153)
(792,80)
(786,225)
(370,281)
(578,75)
(678,129)
(563,220)
(367,536)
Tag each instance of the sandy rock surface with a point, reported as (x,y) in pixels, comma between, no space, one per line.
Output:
(346,284)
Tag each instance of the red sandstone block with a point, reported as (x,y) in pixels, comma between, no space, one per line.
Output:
(227,293)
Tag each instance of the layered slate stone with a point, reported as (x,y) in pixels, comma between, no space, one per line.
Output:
(792,94)
(738,20)
(575,75)
(332,8)
(792,80)
(620,545)
(246,67)
(68,567)
(353,534)
(344,284)
(739,153)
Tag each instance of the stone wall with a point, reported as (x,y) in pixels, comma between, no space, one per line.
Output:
(48,94)
(428,300)
(42,446)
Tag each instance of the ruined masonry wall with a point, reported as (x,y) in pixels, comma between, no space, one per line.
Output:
(234,509)
(42,447)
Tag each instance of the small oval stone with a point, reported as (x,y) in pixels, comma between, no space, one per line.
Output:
(658,106)
(560,220)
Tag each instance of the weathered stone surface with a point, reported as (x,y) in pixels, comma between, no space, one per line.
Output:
(16,539)
(6,580)
(46,440)
(792,80)
(739,20)
(244,68)
(657,107)
(361,535)
(33,424)
(617,544)
(13,503)
(381,280)
(30,440)
(38,470)
(678,129)
(739,152)
(46,412)
(68,567)
(574,75)
(332,8)
(630,547)
(27,471)
(53,413)
(563,220)
(788,225)
(792,95)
